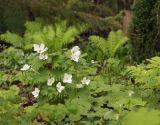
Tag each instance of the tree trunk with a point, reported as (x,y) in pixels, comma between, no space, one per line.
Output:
(126,21)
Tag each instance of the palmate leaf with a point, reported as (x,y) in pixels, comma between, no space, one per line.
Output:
(54,112)
(77,107)
(143,117)
(47,112)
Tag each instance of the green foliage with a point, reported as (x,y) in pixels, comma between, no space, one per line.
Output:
(151,117)
(12,38)
(93,13)
(13,16)
(30,95)
(112,49)
(146,75)
(98,91)
(55,36)
(144,29)
(110,46)
(101,14)
(9,107)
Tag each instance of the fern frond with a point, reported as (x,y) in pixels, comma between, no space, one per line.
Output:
(115,41)
(99,42)
(13,39)
(70,34)
(110,46)
(60,35)
(53,36)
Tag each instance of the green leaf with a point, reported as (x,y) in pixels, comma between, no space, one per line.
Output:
(143,116)
(12,38)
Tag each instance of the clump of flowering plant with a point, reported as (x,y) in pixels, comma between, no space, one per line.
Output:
(47,82)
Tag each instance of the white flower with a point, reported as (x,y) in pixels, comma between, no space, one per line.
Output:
(85,81)
(75,58)
(60,88)
(50,81)
(35,93)
(75,49)
(40,48)
(43,56)
(79,86)
(25,67)
(75,53)
(67,78)
(130,93)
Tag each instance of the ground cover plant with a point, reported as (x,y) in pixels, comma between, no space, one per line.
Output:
(79,62)
(48,78)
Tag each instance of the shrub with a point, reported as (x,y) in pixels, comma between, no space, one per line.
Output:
(143,30)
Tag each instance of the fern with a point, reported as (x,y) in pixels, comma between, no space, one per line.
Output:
(100,42)
(146,74)
(110,45)
(12,38)
(115,41)
(54,36)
